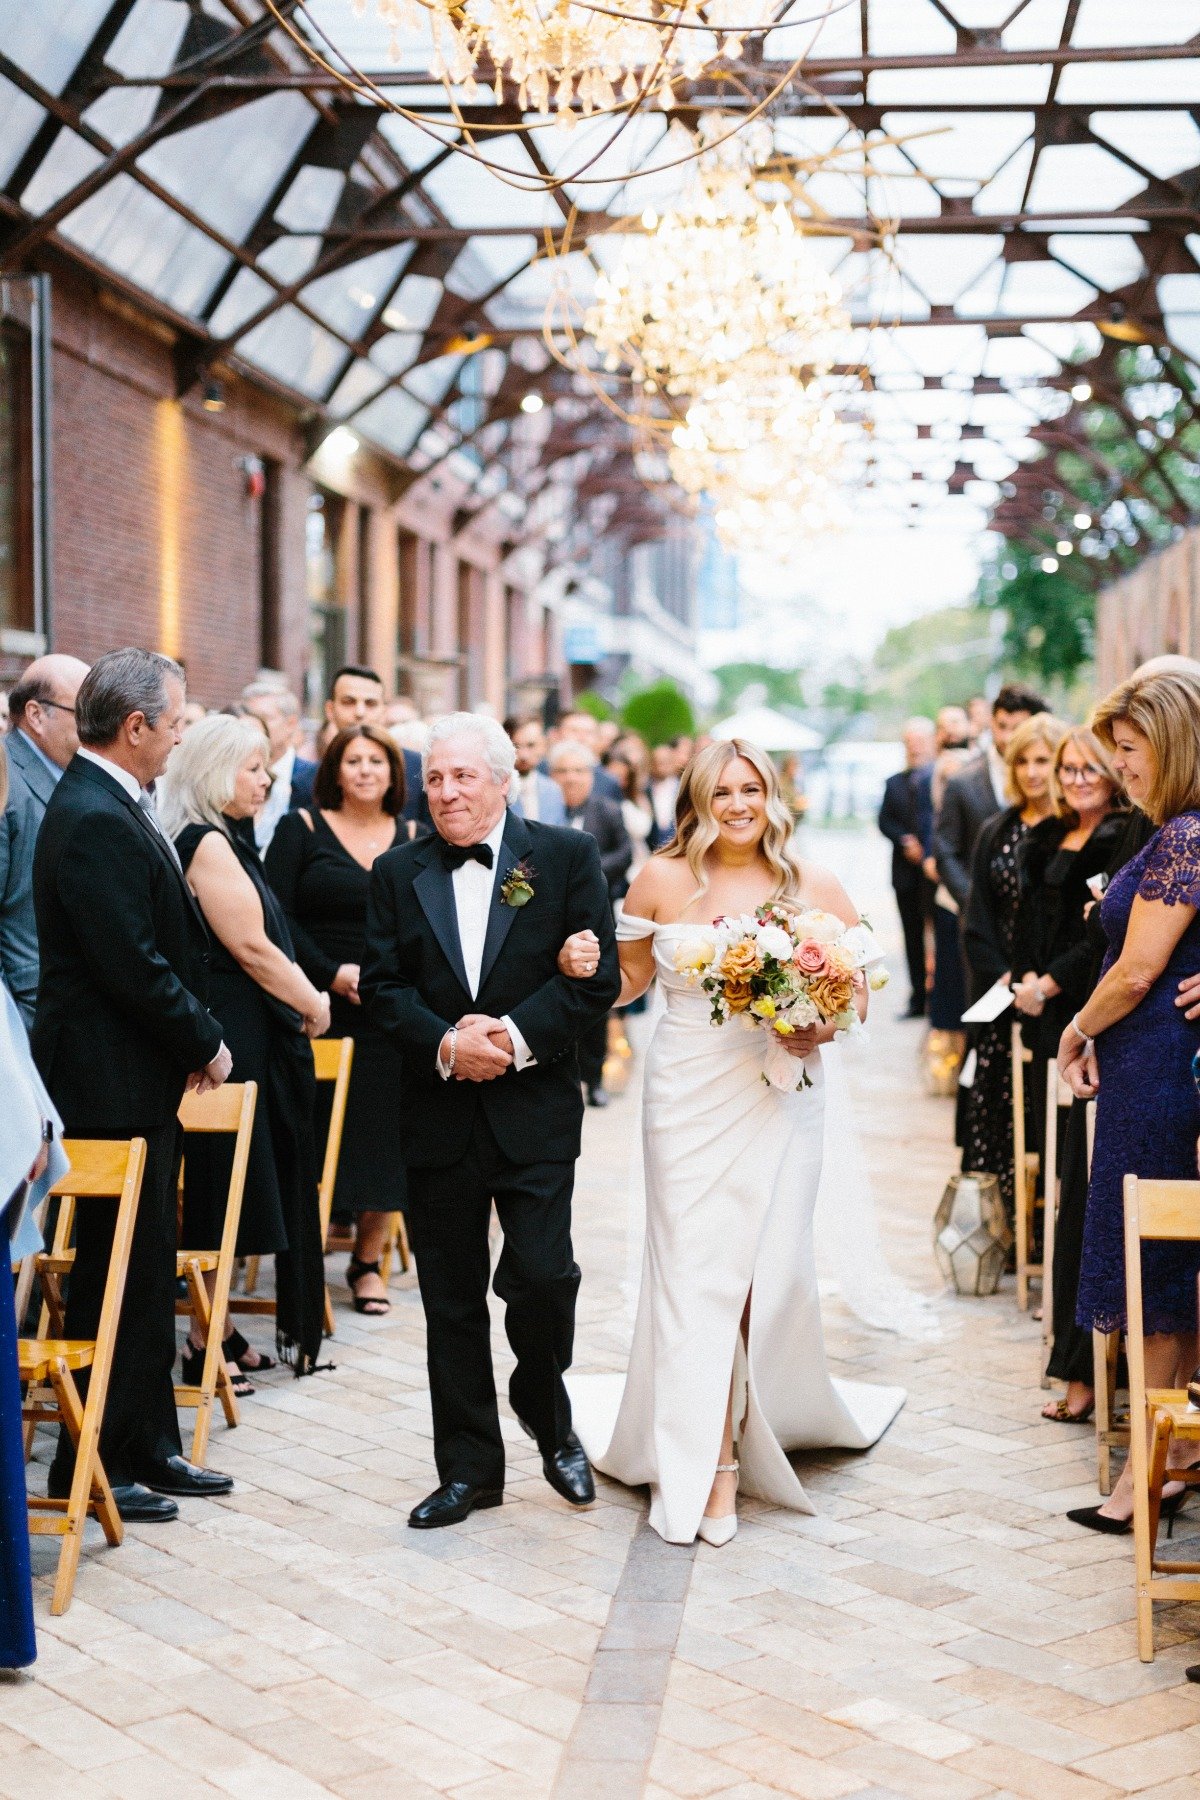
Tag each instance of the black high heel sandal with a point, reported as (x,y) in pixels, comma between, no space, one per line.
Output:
(1094,1520)
(236,1349)
(373,1306)
(192,1370)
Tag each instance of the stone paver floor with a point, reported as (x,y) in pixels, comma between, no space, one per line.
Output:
(939,1630)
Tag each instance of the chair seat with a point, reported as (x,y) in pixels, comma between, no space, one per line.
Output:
(1173,1402)
(35,1355)
(200,1259)
(55,1265)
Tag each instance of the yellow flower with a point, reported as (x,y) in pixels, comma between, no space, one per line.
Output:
(764,1008)
(783,1028)
(691,958)
(741,961)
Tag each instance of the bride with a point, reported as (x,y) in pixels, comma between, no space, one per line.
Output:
(727,1370)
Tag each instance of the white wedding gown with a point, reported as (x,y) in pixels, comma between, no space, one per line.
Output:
(732,1170)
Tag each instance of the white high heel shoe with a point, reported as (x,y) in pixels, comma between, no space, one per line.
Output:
(719,1531)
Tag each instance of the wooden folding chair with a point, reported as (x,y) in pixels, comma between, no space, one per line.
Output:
(1059,1098)
(228,1109)
(333,1059)
(1157,1211)
(100,1169)
(395,1245)
(1026,1164)
(1111,1421)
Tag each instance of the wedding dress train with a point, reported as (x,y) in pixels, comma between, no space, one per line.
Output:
(732,1171)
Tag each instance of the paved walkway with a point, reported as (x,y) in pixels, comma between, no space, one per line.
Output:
(938,1631)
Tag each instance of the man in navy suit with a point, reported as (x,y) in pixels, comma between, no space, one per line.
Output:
(905,819)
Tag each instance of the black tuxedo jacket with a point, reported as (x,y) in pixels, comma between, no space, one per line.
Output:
(415,987)
(604,821)
(906,812)
(121,1020)
(967,804)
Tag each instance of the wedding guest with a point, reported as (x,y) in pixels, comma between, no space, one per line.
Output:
(278,711)
(979,721)
(988,927)
(320,867)
(906,820)
(636,810)
(663,791)
(215,785)
(582,728)
(979,792)
(534,794)
(948,995)
(41,741)
(193,712)
(1130,1045)
(356,697)
(121,1030)
(574,769)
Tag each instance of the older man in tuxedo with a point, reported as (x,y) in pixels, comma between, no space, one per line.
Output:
(121,1030)
(41,742)
(461,971)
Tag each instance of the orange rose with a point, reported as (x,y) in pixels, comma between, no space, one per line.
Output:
(738,996)
(832,993)
(740,962)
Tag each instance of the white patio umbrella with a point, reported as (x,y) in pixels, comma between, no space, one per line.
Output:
(769,729)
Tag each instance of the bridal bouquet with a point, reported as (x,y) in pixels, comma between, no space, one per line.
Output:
(779,971)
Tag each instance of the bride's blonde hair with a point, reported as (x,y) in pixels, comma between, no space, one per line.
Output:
(696,830)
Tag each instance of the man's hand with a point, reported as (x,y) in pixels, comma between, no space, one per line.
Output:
(1189,996)
(930,869)
(1028,997)
(911,846)
(484,1048)
(579,957)
(212,1075)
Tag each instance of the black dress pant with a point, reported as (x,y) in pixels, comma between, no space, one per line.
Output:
(536,1277)
(592,1047)
(910,903)
(1071,1356)
(140,1425)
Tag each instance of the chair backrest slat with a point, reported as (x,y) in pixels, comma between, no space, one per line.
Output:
(1167,1209)
(219,1110)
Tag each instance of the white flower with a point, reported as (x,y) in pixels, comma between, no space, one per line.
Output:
(826,927)
(774,941)
(863,946)
(801,1012)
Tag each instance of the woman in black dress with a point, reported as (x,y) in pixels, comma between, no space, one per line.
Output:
(988,941)
(1052,977)
(319,864)
(215,784)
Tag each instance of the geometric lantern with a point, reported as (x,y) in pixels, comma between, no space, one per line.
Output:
(971,1236)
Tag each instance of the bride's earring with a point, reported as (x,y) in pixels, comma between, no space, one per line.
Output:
(719,1531)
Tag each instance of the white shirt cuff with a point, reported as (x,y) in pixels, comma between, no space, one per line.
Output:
(442,1070)
(523,1057)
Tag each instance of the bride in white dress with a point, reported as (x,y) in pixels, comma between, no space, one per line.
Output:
(727,1371)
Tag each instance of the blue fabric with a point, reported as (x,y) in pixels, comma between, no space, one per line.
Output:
(17,1643)
(1147,1112)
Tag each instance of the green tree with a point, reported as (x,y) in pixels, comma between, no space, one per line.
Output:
(1049,613)
(659,713)
(592,702)
(782,687)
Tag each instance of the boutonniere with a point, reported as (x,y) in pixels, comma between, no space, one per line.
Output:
(517,887)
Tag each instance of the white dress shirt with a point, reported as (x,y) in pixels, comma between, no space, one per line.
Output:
(998,770)
(277,800)
(474,889)
(663,795)
(529,795)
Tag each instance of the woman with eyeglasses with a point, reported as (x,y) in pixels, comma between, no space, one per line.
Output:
(1062,868)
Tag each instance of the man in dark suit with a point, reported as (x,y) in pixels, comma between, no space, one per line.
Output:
(976,793)
(292,775)
(121,1031)
(461,972)
(905,819)
(584,728)
(41,742)
(574,769)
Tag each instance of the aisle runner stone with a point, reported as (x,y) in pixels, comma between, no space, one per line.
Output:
(938,1631)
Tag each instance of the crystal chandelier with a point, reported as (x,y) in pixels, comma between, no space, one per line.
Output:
(719,281)
(563,54)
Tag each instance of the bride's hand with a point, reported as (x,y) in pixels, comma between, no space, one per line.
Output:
(579,957)
(802,1042)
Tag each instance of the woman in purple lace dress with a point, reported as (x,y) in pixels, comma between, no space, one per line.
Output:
(1131,1043)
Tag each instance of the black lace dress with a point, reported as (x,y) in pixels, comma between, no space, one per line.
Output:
(988,937)
(280,1212)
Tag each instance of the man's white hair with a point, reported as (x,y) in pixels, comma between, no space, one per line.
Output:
(491,737)
(568,751)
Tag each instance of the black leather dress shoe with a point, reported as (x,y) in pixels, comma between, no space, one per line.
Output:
(135,1503)
(569,1472)
(452,1503)
(178,1476)
(596,1096)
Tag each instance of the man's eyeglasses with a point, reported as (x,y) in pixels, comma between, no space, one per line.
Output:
(56,705)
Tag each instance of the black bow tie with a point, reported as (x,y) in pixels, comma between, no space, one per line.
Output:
(455,855)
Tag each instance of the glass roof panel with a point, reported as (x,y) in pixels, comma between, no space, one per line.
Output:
(470,194)
(19,119)
(226,168)
(1184,332)
(1109,258)
(140,237)
(294,350)
(288,259)
(1006,190)
(1039,23)
(1025,84)
(355,388)
(486,261)
(246,295)
(1033,288)
(971,146)
(1102,22)
(48,40)
(1095,84)
(414,144)
(840,34)
(311,200)
(67,162)
(945,266)
(397,350)
(347,298)
(1018,358)
(119,114)
(1083,178)
(1162,142)
(430,381)
(413,304)
(908,28)
(394,421)
(149,39)
(1179,293)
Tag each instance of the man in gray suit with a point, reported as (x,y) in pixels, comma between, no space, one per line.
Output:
(41,742)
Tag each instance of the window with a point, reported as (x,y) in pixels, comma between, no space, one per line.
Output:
(270,650)
(17,602)
(326,613)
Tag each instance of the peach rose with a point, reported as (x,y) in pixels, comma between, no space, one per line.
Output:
(832,993)
(740,962)
(810,957)
(738,996)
